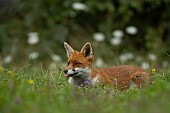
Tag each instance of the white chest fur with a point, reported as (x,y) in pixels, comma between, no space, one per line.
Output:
(83,78)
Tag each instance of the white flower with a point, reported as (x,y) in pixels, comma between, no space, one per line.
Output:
(152,57)
(118,33)
(33,55)
(56,57)
(123,58)
(115,41)
(126,56)
(7,59)
(33,38)
(145,65)
(131,30)
(130,56)
(99,62)
(99,37)
(79,6)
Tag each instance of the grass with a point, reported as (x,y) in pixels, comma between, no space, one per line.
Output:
(38,90)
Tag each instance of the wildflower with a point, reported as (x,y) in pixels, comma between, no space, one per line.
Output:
(117,33)
(33,55)
(56,58)
(153,70)
(1,69)
(145,65)
(33,38)
(30,81)
(99,37)
(126,56)
(79,6)
(158,67)
(152,57)
(115,41)
(10,73)
(131,30)
(8,59)
(99,62)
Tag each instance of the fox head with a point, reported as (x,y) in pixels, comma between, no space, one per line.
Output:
(78,62)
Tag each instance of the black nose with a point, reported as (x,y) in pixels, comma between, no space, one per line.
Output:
(65,71)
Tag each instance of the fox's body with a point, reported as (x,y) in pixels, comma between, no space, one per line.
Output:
(80,71)
(122,77)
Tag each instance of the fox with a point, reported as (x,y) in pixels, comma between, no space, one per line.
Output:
(80,71)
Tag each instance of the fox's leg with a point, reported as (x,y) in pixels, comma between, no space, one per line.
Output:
(140,79)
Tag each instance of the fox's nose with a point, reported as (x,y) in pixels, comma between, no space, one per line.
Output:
(65,71)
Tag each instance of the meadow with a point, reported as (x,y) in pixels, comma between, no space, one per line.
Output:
(37,90)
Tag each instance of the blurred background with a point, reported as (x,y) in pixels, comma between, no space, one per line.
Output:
(120,31)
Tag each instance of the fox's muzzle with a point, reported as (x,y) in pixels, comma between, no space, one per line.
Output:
(70,72)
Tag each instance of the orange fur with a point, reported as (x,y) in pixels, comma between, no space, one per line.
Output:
(121,77)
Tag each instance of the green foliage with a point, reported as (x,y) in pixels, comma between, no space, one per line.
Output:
(50,92)
(57,21)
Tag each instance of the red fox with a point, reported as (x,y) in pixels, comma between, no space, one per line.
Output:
(81,72)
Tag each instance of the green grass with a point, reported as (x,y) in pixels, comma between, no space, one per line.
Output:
(49,92)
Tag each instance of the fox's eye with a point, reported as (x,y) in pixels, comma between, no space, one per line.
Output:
(68,63)
(78,63)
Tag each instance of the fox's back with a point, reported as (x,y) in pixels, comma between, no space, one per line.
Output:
(123,76)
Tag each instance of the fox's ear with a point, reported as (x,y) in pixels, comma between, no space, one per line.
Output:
(87,50)
(69,49)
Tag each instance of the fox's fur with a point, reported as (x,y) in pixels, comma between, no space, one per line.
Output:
(81,72)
